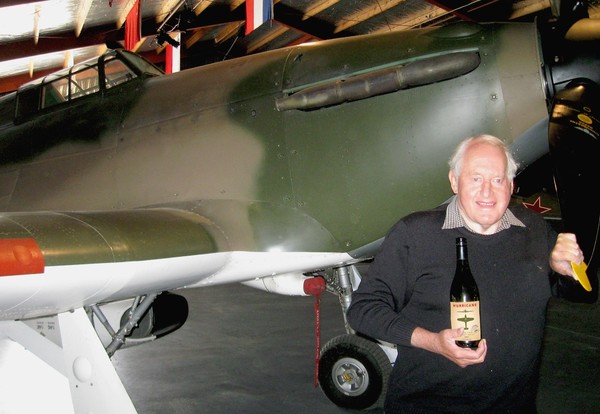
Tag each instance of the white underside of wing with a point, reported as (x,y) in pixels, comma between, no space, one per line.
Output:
(61,288)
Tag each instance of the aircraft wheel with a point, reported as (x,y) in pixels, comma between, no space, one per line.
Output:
(353,372)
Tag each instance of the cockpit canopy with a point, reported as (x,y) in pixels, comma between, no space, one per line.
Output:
(95,75)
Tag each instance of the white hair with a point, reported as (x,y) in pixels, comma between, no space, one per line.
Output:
(456,160)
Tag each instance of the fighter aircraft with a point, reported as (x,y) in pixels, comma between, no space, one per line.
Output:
(465,319)
(121,185)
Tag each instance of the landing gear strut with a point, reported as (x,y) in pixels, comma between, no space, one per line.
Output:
(353,370)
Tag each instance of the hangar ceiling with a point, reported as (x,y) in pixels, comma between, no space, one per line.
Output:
(37,37)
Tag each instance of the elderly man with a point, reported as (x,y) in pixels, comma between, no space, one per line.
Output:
(514,256)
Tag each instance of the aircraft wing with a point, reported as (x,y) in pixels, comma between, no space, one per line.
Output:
(55,262)
(64,264)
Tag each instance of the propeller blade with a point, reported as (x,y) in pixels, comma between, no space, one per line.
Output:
(584,30)
(574,141)
(573,22)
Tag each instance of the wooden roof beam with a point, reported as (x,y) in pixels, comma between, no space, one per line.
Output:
(318,7)
(366,13)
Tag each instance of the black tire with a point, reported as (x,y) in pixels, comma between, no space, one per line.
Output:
(353,372)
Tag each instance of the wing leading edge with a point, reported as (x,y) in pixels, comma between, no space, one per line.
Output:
(98,257)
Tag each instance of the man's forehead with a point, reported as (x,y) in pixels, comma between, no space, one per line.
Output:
(485,157)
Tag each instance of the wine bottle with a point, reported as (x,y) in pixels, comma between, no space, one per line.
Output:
(464,299)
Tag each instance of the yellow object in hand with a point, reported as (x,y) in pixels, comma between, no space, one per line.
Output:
(579,270)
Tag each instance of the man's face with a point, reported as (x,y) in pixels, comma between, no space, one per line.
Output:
(482,189)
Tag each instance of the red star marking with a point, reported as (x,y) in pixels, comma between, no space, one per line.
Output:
(537,206)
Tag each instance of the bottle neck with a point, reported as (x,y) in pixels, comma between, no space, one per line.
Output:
(461,252)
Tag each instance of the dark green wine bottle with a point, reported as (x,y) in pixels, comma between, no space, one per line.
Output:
(464,299)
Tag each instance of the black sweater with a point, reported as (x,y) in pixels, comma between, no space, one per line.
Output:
(408,286)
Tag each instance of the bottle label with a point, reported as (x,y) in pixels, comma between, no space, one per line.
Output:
(466,315)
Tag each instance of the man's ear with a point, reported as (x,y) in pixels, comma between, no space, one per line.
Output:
(453,181)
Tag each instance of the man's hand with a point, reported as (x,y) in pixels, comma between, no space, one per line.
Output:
(565,251)
(443,343)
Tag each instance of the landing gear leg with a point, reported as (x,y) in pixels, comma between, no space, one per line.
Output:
(353,371)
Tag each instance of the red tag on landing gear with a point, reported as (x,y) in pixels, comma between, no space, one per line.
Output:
(20,257)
